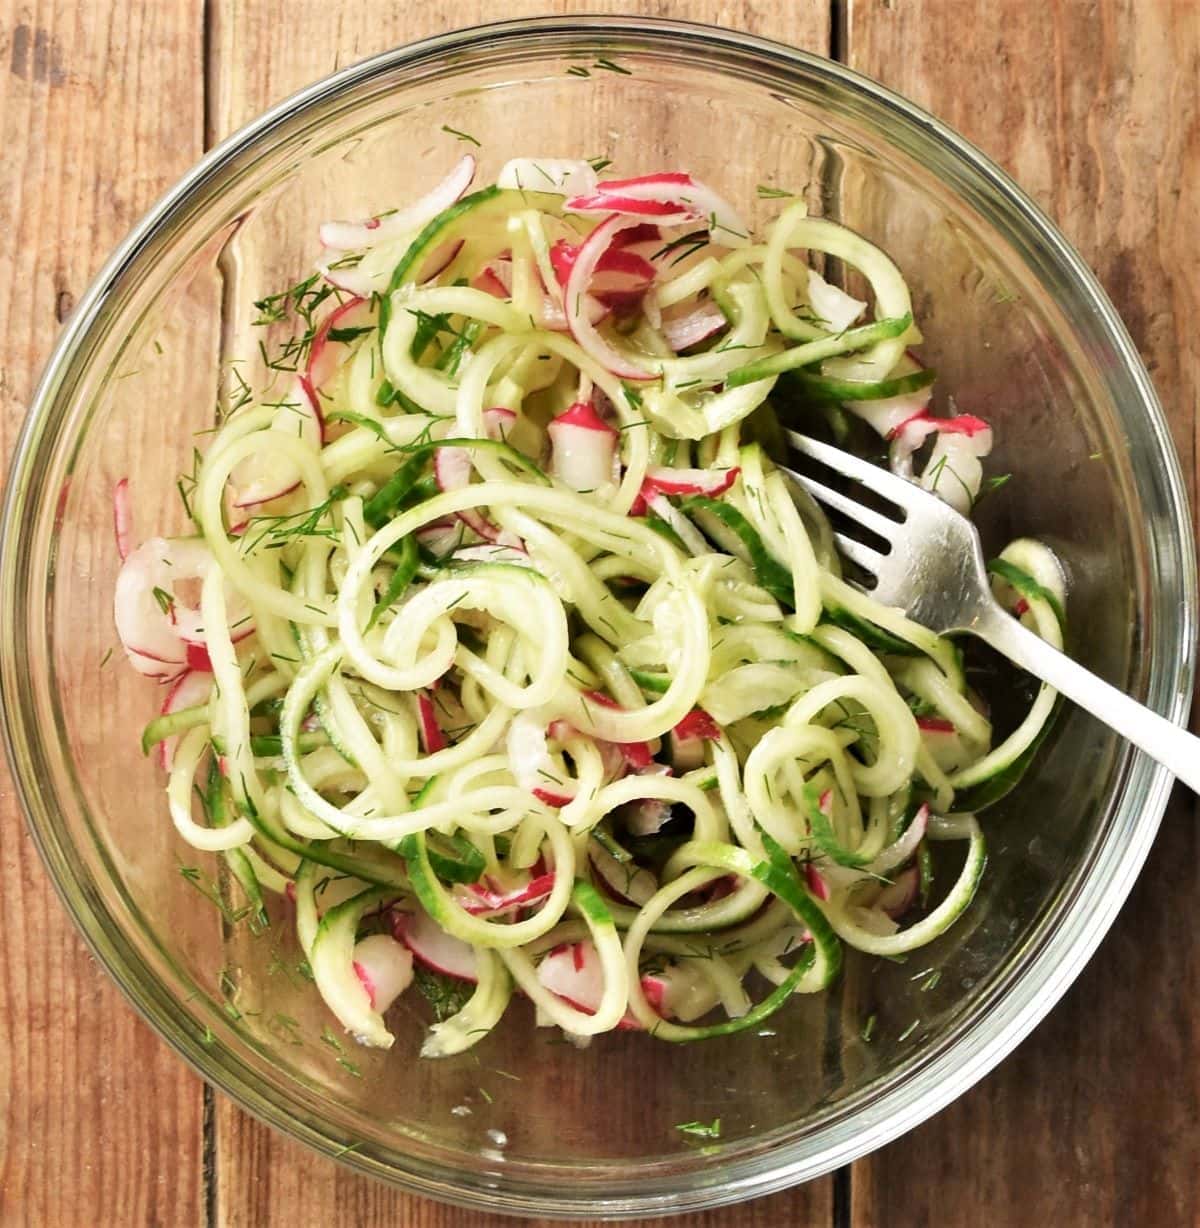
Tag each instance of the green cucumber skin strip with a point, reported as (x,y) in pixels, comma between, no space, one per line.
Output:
(443,226)
(871,635)
(1028,587)
(768,570)
(239,865)
(814,351)
(172,723)
(824,388)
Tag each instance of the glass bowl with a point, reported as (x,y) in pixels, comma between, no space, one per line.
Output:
(1020,333)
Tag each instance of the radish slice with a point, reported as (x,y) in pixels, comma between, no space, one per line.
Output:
(123,519)
(432,737)
(683,332)
(834,308)
(532,764)
(564,176)
(152,623)
(680,991)
(698,724)
(935,724)
(482,899)
(490,283)
(816,884)
(898,897)
(452,471)
(711,482)
(432,946)
(351,236)
(498,422)
(575,974)
(673,195)
(191,688)
(326,357)
(384,967)
(583,447)
(588,257)
(953,471)
(622,276)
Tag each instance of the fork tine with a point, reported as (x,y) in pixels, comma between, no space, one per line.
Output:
(864,556)
(881,526)
(900,492)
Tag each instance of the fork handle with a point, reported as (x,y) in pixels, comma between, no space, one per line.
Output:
(1172,746)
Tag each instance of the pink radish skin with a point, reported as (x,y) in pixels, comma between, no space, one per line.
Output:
(582,448)
(384,967)
(638,212)
(934,724)
(622,276)
(433,947)
(452,471)
(123,519)
(711,482)
(698,724)
(191,688)
(325,356)
(432,737)
(351,236)
(489,283)
(498,422)
(816,884)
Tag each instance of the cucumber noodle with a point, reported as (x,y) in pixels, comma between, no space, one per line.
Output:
(517,655)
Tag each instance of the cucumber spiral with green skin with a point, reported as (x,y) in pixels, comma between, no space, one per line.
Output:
(522,658)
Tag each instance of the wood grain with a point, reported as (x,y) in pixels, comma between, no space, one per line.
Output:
(263,1179)
(1092,107)
(99,1121)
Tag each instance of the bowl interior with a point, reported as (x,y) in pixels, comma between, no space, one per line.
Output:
(173,340)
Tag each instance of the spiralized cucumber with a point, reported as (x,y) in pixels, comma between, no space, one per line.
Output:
(516,655)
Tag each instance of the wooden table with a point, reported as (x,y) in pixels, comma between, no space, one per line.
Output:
(1093,106)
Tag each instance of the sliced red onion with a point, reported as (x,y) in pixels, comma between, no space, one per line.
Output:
(352,236)
(384,967)
(683,332)
(123,519)
(188,690)
(561,176)
(432,946)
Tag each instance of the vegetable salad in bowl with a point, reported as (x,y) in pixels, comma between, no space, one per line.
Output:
(505,646)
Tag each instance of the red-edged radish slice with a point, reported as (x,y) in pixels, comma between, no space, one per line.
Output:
(685,331)
(123,519)
(532,764)
(144,627)
(432,946)
(582,446)
(698,724)
(490,283)
(667,197)
(432,737)
(899,896)
(564,176)
(815,882)
(622,276)
(638,756)
(438,260)
(498,422)
(680,991)
(835,310)
(325,356)
(934,724)
(666,481)
(484,900)
(384,967)
(575,974)
(577,289)
(197,658)
(953,470)
(188,690)
(452,471)
(351,236)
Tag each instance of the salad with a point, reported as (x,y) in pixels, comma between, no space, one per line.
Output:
(502,644)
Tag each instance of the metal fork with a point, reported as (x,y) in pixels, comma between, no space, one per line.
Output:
(935,572)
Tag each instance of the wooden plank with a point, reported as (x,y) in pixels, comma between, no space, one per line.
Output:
(263,1180)
(99,113)
(1092,107)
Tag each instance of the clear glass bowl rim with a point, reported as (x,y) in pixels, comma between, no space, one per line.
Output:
(1033,983)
